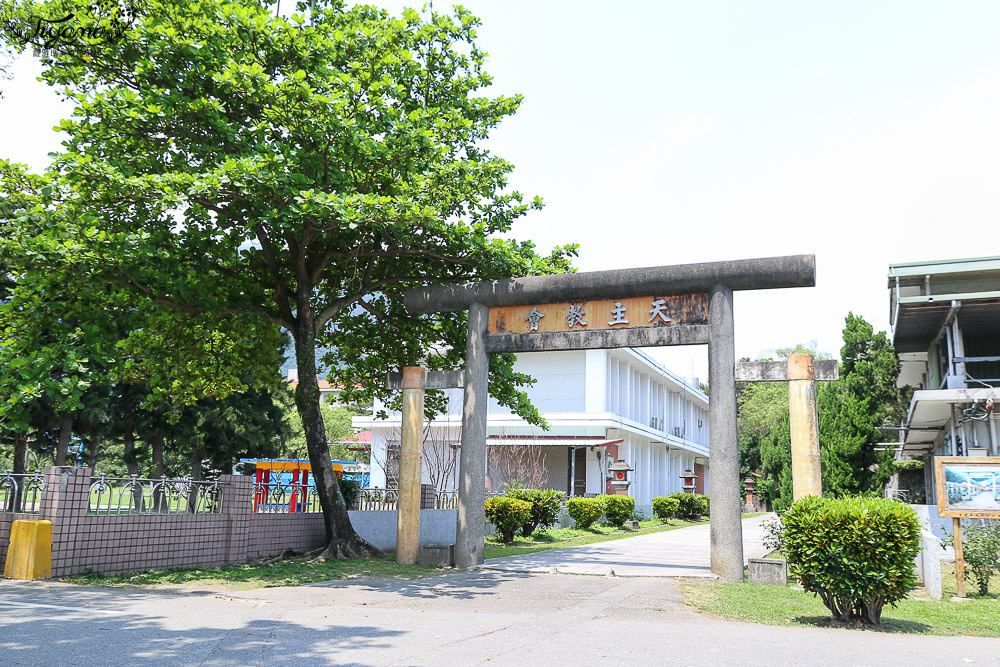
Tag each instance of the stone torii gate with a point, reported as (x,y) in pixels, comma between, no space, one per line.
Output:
(687,304)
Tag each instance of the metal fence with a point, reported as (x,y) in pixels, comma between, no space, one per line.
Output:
(284,497)
(21,492)
(289,497)
(137,495)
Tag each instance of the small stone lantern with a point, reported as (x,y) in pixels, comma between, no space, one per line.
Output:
(619,476)
(688,477)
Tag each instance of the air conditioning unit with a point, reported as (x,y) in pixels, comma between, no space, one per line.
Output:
(656,422)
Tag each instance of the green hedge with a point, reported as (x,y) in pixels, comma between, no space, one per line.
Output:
(665,508)
(855,553)
(692,505)
(617,509)
(585,511)
(545,504)
(508,515)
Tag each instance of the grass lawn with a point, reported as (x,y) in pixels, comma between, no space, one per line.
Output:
(774,605)
(290,572)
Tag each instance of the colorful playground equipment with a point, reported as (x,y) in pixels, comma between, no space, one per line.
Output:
(282,485)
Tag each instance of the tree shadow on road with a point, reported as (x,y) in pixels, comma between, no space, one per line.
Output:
(889,625)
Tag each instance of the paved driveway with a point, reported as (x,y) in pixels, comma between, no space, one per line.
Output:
(673,553)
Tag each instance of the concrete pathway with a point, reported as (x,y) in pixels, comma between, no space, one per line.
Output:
(673,553)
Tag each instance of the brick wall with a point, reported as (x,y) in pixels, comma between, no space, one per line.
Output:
(137,542)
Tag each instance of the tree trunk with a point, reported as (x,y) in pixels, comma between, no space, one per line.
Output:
(93,451)
(342,540)
(20,467)
(156,444)
(132,466)
(65,433)
(20,453)
(196,454)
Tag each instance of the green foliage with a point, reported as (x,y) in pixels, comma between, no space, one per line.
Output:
(508,515)
(350,489)
(980,551)
(690,505)
(545,504)
(855,553)
(665,508)
(231,163)
(907,465)
(850,411)
(585,511)
(617,509)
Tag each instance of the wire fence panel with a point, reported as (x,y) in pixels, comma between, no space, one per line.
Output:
(21,492)
(137,495)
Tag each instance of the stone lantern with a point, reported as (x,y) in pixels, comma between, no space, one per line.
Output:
(688,477)
(619,477)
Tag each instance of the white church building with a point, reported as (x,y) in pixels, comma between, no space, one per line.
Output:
(600,405)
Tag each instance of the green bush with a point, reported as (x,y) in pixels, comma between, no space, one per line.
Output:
(349,489)
(617,509)
(704,505)
(508,515)
(855,553)
(585,511)
(692,505)
(980,551)
(664,508)
(545,505)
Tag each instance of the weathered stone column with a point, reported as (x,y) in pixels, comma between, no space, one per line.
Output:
(411,446)
(726,527)
(806,477)
(471,530)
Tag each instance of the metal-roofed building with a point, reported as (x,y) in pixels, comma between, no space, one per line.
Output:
(945,318)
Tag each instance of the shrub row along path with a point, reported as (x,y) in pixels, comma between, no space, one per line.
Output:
(673,553)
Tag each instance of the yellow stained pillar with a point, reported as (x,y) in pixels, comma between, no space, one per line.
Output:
(29,554)
(806,475)
(411,446)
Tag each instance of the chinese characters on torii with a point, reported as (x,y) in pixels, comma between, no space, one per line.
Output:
(575,316)
(533,318)
(619,312)
(659,309)
(659,313)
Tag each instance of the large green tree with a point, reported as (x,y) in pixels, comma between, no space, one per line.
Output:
(294,172)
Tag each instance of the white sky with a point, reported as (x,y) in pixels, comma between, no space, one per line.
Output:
(673,132)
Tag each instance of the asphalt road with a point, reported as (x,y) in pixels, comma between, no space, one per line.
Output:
(465,618)
(458,618)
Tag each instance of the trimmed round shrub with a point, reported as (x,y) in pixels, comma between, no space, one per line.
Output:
(617,509)
(704,505)
(545,505)
(855,553)
(664,508)
(585,511)
(691,505)
(508,515)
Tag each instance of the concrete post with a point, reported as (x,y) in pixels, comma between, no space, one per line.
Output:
(726,527)
(411,446)
(471,531)
(804,424)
